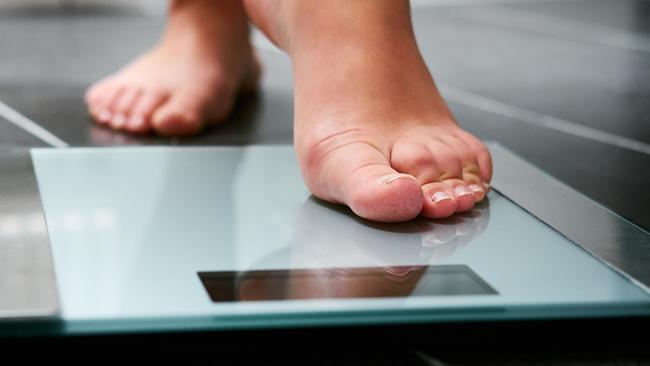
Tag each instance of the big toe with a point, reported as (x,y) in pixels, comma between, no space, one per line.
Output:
(381,194)
(178,117)
(188,110)
(361,177)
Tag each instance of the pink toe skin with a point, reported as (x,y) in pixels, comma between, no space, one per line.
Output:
(137,124)
(118,121)
(478,191)
(103,117)
(464,197)
(399,200)
(182,115)
(177,124)
(439,202)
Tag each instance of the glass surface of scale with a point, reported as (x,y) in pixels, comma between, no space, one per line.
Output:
(132,228)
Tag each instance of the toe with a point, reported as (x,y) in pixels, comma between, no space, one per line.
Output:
(415,159)
(462,193)
(439,201)
(105,104)
(359,175)
(139,120)
(94,95)
(380,193)
(481,154)
(471,168)
(123,106)
(182,115)
(446,159)
(472,178)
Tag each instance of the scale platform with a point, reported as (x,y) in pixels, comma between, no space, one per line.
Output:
(121,240)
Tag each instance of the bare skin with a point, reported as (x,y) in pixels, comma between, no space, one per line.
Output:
(190,79)
(371,130)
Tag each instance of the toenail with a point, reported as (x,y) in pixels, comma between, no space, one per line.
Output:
(390,178)
(486,186)
(119,120)
(462,191)
(476,188)
(104,116)
(440,196)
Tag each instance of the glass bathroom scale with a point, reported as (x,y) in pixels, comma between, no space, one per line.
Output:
(119,240)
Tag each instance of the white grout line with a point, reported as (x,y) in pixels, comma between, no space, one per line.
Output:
(515,113)
(428,359)
(557,27)
(450,93)
(30,126)
(537,119)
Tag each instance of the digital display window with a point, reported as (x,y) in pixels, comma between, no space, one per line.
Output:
(339,283)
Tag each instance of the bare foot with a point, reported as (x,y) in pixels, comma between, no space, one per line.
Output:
(371,130)
(191,78)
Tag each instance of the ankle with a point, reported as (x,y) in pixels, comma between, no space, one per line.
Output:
(208,17)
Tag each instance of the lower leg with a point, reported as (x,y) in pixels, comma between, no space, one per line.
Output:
(371,129)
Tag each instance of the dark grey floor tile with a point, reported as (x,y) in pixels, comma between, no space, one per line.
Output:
(10,134)
(264,118)
(628,15)
(610,175)
(590,84)
(587,84)
(72,50)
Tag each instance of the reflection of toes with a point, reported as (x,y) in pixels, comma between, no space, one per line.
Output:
(466,225)
(446,250)
(440,233)
(434,241)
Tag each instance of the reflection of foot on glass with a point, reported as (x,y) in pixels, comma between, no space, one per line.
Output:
(442,238)
(328,283)
(325,236)
(394,256)
(371,129)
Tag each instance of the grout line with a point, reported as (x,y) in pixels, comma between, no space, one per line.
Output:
(428,359)
(533,118)
(518,114)
(450,93)
(30,126)
(555,26)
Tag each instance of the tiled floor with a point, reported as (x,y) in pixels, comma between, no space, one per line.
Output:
(537,76)
(565,84)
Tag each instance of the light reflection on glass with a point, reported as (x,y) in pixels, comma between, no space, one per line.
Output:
(396,256)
